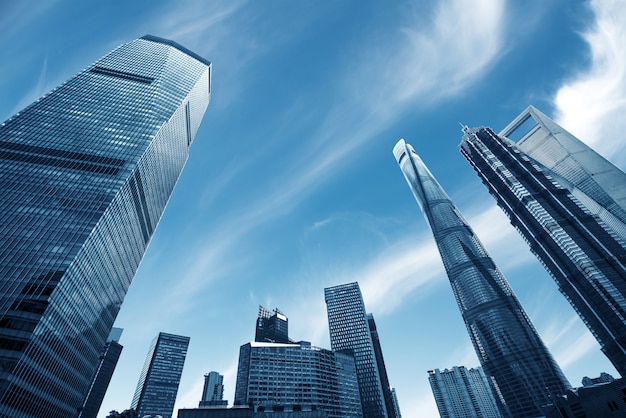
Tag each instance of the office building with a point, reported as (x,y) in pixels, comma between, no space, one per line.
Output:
(213,392)
(100,383)
(382,369)
(247,412)
(463,393)
(396,405)
(349,330)
(296,377)
(85,174)
(568,204)
(272,327)
(603,378)
(158,383)
(523,374)
(601,400)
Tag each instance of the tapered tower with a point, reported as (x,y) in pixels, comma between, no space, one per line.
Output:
(521,370)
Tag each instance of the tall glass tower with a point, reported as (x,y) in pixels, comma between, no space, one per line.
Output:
(158,383)
(85,174)
(521,370)
(350,330)
(568,203)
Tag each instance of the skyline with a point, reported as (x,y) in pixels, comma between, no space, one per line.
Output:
(290,186)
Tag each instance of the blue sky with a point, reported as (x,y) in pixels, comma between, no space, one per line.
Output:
(291,186)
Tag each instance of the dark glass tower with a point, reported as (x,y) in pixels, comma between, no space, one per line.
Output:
(567,203)
(271,327)
(158,383)
(349,330)
(523,374)
(85,174)
(108,360)
(382,369)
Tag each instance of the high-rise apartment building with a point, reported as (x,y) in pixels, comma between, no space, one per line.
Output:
(275,377)
(523,374)
(213,392)
(463,393)
(271,327)
(569,205)
(100,383)
(350,330)
(158,383)
(85,174)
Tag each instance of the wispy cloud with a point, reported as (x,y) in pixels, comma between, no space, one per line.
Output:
(448,52)
(592,104)
(584,344)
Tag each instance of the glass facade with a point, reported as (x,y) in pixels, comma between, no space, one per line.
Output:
(85,174)
(158,383)
(350,330)
(461,392)
(382,369)
(297,377)
(108,360)
(522,372)
(568,204)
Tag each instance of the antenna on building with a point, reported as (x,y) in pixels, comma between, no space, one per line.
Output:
(464,128)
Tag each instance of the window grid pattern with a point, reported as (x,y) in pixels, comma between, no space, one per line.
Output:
(85,173)
(461,392)
(297,376)
(349,330)
(523,373)
(583,254)
(158,383)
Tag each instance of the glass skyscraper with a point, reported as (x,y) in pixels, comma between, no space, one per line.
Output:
(568,203)
(85,174)
(382,369)
(350,330)
(158,383)
(463,393)
(521,370)
(100,383)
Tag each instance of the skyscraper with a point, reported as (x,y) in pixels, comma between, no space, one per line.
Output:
(213,392)
(349,330)
(568,204)
(297,377)
(523,374)
(100,383)
(271,327)
(396,405)
(85,174)
(158,383)
(463,393)
(382,369)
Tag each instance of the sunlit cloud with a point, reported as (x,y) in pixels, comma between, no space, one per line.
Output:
(592,104)
(449,51)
